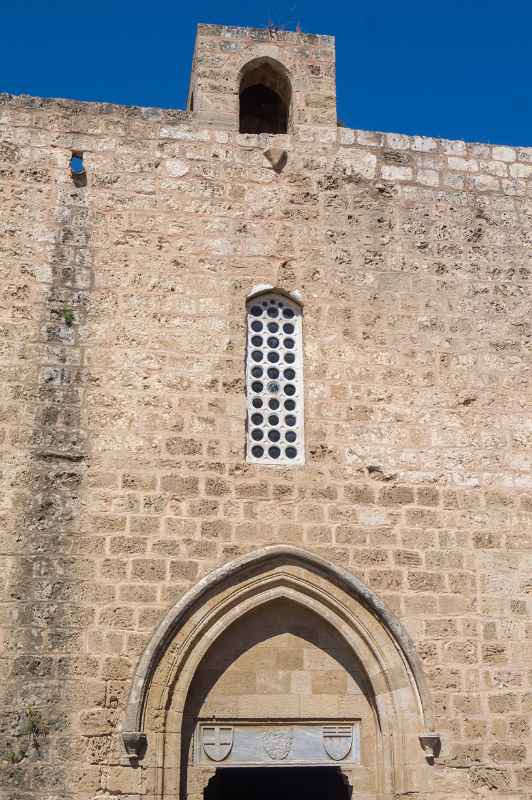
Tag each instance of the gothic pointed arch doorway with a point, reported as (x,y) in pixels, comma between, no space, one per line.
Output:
(279,660)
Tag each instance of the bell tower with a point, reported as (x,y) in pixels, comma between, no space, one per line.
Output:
(259,80)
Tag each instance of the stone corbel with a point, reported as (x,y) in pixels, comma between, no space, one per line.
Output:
(431,744)
(134,742)
(277,158)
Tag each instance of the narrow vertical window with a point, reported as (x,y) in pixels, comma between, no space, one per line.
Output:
(274,381)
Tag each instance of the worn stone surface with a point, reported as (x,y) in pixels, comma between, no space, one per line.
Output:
(123,478)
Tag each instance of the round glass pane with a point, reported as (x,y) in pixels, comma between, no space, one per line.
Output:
(291,452)
(289,405)
(257,434)
(273,372)
(257,419)
(257,372)
(274,404)
(256,402)
(290,358)
(273,387)
(257,451)
(256,311)
(273,341)
(274,452)
(273,357)
(273,327)
(289,343)
(257,386)
(274,436)
(289,374)
(288,313)
(256,341)
(257,326)
(287,327)
(290,420)
(273,312)
(290,436)
(290,389)
(273,419)
(256,355)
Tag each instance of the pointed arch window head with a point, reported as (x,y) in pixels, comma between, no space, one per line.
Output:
(265,97)
(274,381)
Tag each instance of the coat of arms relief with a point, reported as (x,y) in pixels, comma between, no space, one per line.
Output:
(277,743)
(217,741)
(337,740)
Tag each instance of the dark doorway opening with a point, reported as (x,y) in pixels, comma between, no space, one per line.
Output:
(262,111)
(278,783)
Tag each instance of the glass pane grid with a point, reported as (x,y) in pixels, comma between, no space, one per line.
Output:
(274,382)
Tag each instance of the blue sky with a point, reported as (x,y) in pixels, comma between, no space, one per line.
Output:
(460,69)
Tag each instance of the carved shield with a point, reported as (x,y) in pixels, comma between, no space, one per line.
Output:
(277,743)
(337,740)
(217,741)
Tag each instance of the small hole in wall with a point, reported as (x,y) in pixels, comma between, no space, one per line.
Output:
(76,163)
(77,168)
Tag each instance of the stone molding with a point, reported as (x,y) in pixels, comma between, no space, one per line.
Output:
(264,288)
(134,743)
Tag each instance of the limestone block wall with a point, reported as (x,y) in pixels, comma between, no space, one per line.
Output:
(123,474)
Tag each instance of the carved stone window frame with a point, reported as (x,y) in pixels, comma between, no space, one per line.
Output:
(275,401)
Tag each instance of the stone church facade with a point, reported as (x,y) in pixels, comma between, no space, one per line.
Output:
(266,494)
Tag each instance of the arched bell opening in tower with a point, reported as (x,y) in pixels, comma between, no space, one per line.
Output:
(265,98)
